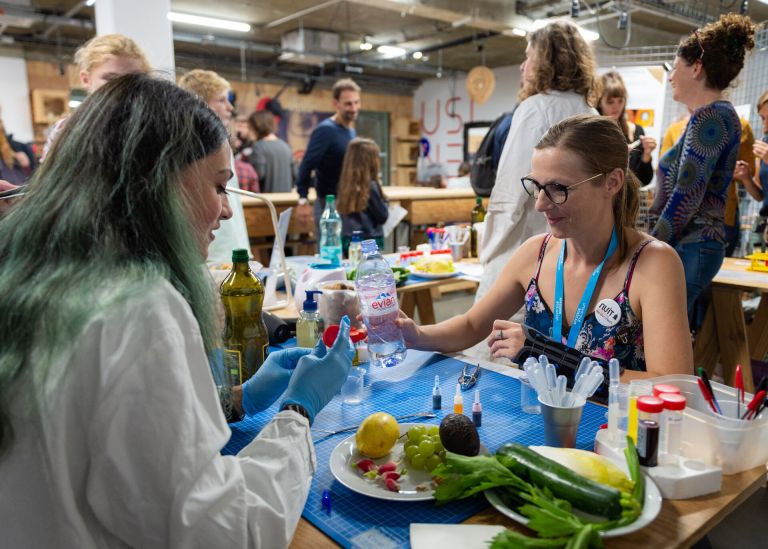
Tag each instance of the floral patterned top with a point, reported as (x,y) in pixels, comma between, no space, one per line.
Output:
(624,341)
(694,175)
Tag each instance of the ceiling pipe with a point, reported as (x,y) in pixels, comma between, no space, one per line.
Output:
(300,14)
(18,11)
(74,10)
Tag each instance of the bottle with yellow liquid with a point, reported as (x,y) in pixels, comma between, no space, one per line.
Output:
(478,216)
(245,335)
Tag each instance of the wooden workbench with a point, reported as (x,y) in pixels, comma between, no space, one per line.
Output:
(426,206)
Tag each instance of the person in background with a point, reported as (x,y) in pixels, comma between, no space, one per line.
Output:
(361,203)
(23,153)
(98,61)
(613,103)
(233,233)
(14,166)
(111,428)
(243,138)
(270,156)
(325,151)
(754,184)
(461,181)
(580,183)
(695,173)
(558,81)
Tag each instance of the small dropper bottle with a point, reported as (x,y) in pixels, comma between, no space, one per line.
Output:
(437,398)
(477,410)
(458,401)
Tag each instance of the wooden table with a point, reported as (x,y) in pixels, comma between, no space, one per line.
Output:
(724,333)
(426,206)
(414,297)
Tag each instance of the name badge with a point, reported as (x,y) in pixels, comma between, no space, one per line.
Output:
(608,313)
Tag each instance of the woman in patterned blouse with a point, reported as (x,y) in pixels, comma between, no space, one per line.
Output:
(695,173)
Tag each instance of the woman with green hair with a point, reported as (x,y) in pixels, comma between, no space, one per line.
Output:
(110,422)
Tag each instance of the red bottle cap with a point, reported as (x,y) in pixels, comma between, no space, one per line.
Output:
(332,332)
(650,404)
(672,401)
(661,388)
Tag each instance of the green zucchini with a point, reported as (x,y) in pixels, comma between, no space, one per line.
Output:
(584,494)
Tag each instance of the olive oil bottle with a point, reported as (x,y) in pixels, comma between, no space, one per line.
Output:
(245,335)
(478,216)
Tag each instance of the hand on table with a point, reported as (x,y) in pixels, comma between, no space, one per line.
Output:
(320,375)
(510,342)
(304,214)
(271,380)
(760,148)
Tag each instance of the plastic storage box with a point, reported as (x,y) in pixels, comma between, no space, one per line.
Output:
(729,443)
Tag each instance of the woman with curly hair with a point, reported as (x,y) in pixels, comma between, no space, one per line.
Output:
(695,173)
(558,81)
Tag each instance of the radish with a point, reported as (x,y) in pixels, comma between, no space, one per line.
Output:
(365,465)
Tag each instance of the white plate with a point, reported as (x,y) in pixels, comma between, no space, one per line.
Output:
(651,508)
(345,454)
(433,275)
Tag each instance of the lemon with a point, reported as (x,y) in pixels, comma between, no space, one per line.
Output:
(377,435)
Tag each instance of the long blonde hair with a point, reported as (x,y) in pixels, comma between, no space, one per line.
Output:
(361,166)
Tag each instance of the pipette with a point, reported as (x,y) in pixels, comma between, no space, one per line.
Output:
(613,400)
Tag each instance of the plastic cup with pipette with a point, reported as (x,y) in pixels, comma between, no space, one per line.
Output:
(613,401)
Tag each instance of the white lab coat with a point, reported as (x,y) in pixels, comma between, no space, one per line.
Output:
(512,218)
(233,232)
(126,449)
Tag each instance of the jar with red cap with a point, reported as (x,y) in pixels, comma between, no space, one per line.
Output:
(662,388)
(672,423)
(648,409)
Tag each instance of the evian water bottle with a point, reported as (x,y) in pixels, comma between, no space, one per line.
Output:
(375,285)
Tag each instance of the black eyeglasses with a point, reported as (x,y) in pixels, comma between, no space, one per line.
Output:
(556,192)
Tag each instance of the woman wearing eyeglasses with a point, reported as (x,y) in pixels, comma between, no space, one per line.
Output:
(695,173)
(592,283)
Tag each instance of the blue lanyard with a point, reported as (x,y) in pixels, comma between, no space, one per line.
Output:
(578,319)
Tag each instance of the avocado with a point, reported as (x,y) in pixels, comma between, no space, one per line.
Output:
(459,435)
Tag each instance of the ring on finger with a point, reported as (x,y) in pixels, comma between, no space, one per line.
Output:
(500,335)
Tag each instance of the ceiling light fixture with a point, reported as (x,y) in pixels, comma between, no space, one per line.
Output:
(417,55)
(365,45)
(90,2)
(623,19)
(208,22)
(588,35)
(575,8)
(390,51)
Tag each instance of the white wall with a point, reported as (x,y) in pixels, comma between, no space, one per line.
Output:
(443,106)
(14,98)
(436,99)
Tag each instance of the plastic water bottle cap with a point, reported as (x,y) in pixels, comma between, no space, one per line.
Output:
(369,247)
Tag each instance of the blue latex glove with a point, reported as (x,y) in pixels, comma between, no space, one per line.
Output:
(319,376)
(270,381)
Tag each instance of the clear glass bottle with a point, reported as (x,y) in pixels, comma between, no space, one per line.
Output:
(246,339)
(308,325)
(355,250)
(478,216)
(330,232)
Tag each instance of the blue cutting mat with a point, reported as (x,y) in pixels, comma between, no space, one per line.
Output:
(360,521)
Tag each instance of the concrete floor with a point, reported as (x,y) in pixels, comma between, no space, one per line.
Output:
(743,528)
